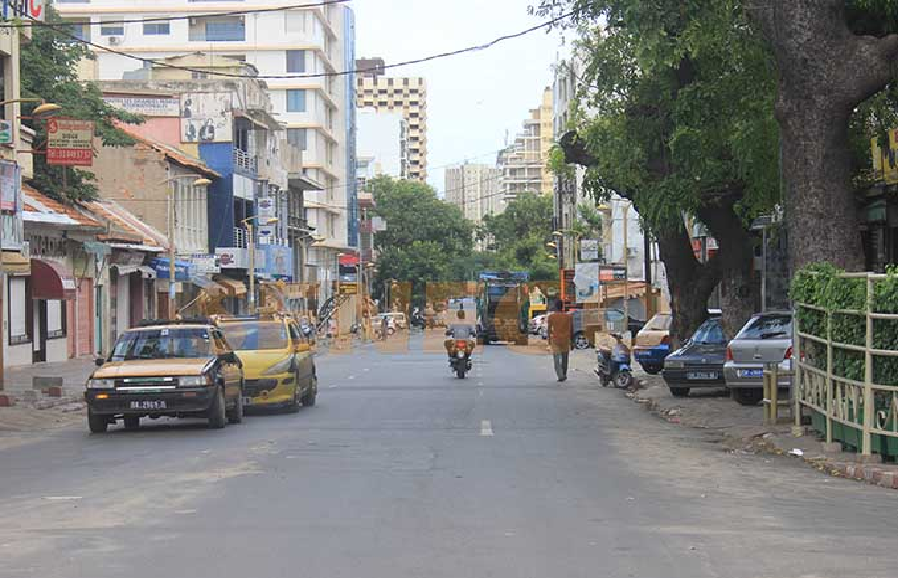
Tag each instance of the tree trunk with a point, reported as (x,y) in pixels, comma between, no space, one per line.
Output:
(825,71)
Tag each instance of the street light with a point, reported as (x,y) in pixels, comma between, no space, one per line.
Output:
(251,247)
(197,182)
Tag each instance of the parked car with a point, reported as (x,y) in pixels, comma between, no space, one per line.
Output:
(536,324)
(652,343)
(167,369)
(278,363)
(765,339)
(699,363)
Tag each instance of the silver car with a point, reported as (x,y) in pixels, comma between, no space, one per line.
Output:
(765,339)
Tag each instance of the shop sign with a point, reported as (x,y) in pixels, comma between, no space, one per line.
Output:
(232,257)
(127,258)
(160,266)
(586,281)
(278,261)
(10,185)
(25,9)
(70,142)
(5,132)
(204,264)
(151,106)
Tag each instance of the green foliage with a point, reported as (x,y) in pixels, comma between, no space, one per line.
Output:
(426,239)
(519,235)
(49,71)
(557,163)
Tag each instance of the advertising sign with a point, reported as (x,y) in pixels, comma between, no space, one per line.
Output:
(278,261)
(160,266)
(70,142)
(206,117)
(586,281)
(5,131)
(203,264)
(232,257)
(10,185)
(589,250)
(153,106)
(25,9)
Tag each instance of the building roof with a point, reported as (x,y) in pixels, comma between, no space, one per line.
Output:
(170,152)
(130,229)
(40,208)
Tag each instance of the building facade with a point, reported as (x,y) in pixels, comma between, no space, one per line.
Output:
(383,142)
(406,95)
(474,188)
(523,163)
(304,46)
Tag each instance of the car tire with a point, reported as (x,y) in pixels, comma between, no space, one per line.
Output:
(217,416)
(132,422)
(296,403)
(235,415)
(308,400)
(679,391)
(748,396)
(581,342)
(652,370)
(97,423)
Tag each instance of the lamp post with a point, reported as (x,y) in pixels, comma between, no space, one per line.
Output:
(251,248)
(197,182)
(43,110)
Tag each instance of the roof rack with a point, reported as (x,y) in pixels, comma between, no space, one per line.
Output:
(184,321)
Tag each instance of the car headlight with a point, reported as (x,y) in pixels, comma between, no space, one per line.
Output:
(193,381)
(673,364)
(100,383)
(283,366)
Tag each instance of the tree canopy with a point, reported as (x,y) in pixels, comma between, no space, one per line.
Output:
(517,237)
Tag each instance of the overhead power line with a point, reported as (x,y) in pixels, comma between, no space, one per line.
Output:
(61,29)
(40,23)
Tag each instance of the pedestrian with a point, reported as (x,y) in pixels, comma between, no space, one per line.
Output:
(561,330)
(384,326)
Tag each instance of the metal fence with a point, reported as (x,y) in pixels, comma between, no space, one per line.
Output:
(859,413)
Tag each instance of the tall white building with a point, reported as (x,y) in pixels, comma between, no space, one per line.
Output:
(474,188)
(318,112)
(383,142)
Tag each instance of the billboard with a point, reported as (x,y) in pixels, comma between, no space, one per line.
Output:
(206,117)
(589,250)
(152,106)
(70,142)
(25,9)
(586,280)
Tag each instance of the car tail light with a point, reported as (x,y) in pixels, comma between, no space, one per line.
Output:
(729,354)
(665,340)
(461,344)
(788,355)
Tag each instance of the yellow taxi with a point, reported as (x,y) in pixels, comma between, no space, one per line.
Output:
(278,362)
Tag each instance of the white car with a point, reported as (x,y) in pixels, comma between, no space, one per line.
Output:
(537,323)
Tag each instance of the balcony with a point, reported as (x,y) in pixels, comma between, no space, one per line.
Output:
(239,237)
(245,163)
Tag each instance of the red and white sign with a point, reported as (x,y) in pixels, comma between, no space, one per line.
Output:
(70,142)
(27,9)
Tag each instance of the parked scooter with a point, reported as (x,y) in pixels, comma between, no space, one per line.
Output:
(615,364)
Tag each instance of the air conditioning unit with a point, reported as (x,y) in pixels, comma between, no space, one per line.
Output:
(115,40)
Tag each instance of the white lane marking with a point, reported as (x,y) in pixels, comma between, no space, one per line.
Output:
(366,370)
(185,512)
(486,428)
(480,393)
(480,383)
(63,498)
(351,377)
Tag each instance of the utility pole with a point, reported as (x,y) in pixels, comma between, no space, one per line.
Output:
(626,267)
(647,265)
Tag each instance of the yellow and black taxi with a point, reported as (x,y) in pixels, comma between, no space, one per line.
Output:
(277,358)
(182,368)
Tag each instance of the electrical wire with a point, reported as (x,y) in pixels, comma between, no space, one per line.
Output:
(32,23)
(476,48)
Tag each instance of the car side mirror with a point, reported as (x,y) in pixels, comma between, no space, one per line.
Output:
(99,362)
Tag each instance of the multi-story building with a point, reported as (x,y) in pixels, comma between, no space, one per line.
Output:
(473,188)
(407,95)
(383,143)
(299,51)
(523,164)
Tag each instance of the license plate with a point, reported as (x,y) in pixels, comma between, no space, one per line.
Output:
(750,373)
(148,405)
(702,375)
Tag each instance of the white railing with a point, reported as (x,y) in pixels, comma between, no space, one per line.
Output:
(246,161)
(239,237)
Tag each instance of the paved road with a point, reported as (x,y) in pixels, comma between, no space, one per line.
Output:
(402,471)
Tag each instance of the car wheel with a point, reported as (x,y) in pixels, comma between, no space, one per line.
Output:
(217,416)
(296,402)
(308,400)
(623,379)
(97,423)
(235,415)
(132,422)
(581,342)
(748,396)
(679,391)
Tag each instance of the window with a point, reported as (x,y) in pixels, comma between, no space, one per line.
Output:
(296,100)
(296,61)
(768,326)
(18,321)
(225,30)
(56,319)
(156,29)
(298,137)
(710,332)
(112,30)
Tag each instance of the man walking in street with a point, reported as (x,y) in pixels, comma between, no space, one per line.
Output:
(561,330)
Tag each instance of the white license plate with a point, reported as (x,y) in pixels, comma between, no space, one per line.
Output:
(750,373)
(247,401)
(148,405)
(702,375)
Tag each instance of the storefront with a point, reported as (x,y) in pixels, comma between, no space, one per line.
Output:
(182,289)
(17,270)
(52,286)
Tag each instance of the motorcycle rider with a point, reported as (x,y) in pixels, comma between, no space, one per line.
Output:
(459,330)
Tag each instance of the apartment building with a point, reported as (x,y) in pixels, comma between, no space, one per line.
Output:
(523,163)
(407,95)
(304,46)
(383,143)
(473,188)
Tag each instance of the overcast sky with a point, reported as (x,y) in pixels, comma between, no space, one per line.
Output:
(472,98)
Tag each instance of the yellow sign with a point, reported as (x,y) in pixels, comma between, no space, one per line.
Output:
(348,289)
(885,161)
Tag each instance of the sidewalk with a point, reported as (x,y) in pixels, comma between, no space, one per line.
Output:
(33,383)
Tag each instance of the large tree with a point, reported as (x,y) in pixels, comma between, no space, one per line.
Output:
(426,240)
(50,71)
(517,237)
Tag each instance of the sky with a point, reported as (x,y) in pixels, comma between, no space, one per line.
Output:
(473,98)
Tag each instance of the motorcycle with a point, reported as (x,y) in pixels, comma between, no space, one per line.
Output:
(615,366)
(460,351)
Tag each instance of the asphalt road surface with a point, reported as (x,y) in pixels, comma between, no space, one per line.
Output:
(404,471)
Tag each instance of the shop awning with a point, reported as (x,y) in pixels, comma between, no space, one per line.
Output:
(15,264)
(208,284)
(145,272)
(51,280)
(233,287)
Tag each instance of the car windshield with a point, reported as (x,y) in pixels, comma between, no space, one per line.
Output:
(709,332)
(768,327)
(253,335)
(163,343)
(660,322)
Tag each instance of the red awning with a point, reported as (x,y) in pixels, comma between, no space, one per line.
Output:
(349,261)
(51,280)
